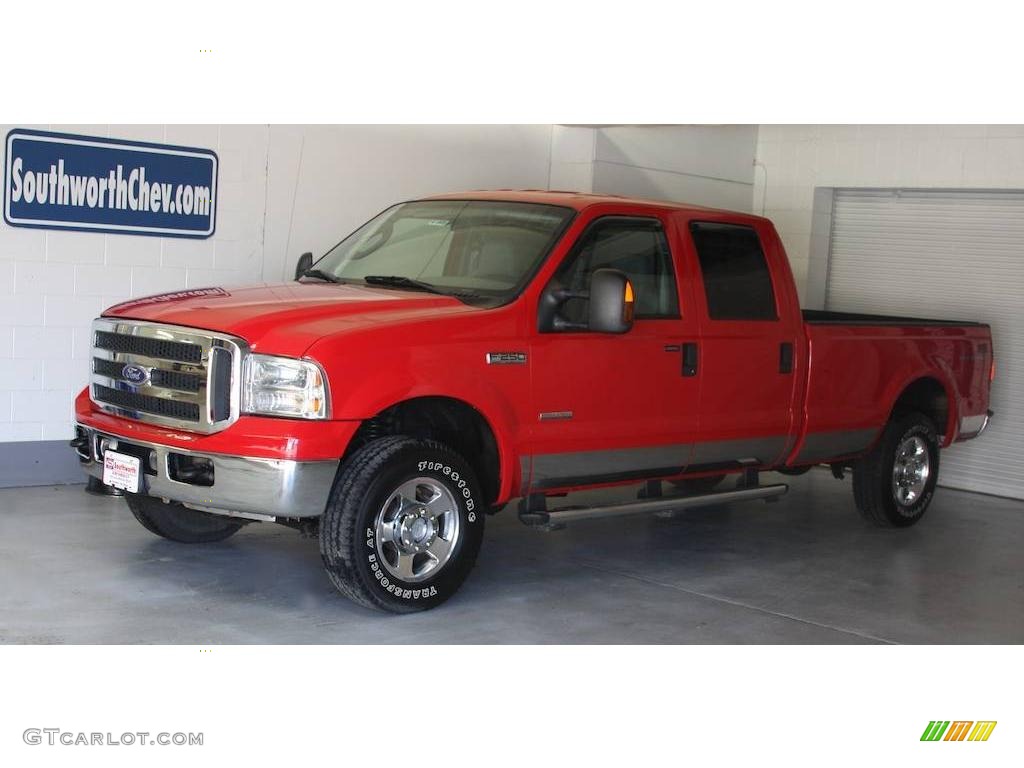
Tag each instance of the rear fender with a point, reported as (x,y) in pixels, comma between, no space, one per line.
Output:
(939,370)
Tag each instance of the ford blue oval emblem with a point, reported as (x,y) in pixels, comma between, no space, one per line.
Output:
(136,374)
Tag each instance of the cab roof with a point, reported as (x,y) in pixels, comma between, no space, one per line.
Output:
(580,201)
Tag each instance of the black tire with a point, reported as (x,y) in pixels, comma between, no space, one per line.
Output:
(348,531)
(699,484)
(179,523)
(873,487)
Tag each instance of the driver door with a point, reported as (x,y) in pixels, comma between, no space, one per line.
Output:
(615,407)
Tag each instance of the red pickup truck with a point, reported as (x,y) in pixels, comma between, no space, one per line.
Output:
(461,351)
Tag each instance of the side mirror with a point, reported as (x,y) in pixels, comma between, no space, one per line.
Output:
(305,262)
(611,302)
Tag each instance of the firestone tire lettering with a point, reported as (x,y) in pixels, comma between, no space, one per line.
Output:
(371,536)
(405,594)
(448,471)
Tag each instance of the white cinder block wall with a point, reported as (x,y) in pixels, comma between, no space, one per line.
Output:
(794,159)
(281,191)
(325,181)
(287,189)
(52,284)
(709,165)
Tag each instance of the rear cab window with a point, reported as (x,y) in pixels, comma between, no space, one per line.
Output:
(737,281)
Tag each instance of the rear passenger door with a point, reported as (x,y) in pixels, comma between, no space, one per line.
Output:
(747,348)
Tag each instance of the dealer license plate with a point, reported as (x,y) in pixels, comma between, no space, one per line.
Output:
(121,471)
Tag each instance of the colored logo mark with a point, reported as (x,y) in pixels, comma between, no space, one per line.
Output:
(958,730)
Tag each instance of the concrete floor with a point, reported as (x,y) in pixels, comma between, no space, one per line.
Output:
(78,569)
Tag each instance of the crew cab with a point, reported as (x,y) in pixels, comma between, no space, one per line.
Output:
(460,352)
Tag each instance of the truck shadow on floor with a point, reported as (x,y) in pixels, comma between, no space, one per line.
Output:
(809,555)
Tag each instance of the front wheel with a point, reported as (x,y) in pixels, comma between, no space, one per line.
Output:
(403,525)
(894,484)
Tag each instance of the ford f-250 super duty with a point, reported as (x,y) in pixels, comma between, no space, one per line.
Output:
(459,352)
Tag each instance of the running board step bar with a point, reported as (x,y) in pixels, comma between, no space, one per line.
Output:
(531,515)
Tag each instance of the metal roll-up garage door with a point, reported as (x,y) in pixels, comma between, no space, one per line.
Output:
(955,255)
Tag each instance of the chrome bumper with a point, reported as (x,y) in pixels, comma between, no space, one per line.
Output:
(260,489)
(972,426)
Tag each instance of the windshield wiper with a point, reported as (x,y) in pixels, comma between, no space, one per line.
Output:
(400,281)
(319,273)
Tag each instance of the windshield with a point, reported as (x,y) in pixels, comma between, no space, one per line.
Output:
(470,249)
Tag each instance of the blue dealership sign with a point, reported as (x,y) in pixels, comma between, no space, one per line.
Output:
(86,183)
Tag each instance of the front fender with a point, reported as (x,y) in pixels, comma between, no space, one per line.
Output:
(367,379)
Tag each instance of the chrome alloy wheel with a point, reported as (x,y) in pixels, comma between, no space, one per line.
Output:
(417,529)
(910,470)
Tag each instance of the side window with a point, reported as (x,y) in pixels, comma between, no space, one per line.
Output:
(737,282)
(637,247)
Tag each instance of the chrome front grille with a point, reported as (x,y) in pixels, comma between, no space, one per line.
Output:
(147,404)
(183,382)
(144,346)
(166,374)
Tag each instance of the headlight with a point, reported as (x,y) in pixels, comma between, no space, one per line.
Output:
(283,386)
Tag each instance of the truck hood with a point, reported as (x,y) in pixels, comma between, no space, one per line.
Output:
(286,318)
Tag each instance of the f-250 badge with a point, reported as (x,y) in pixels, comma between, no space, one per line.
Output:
(506,358)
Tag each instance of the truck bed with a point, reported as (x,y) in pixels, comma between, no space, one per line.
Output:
(861,364)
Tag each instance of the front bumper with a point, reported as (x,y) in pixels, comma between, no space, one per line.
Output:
(242,486)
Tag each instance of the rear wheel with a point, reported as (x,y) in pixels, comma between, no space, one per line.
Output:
(894,484)
(179,523)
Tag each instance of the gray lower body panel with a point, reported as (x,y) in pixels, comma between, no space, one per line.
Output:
(751,450)
(825,446)
(553,470)
(560,470)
